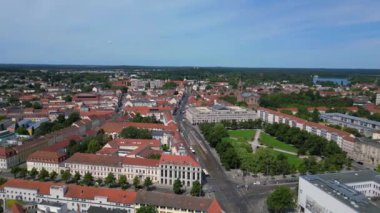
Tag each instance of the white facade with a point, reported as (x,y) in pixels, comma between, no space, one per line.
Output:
(313,199)
(217,113)
(48,166)
(339,192)
(57,194)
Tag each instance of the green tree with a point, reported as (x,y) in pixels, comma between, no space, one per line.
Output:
(378,168)
(88,179)
(15,170)
(76,177)
(33,173)
(99,181)
(315,116)
(147,183)
(133,132)
(66,175)
(68,98)
(93,146)
(281,200)
(177,186)
(147,209)
(53,175)
(136,182)
(73,117)
(123,181)
(43,174)
(23,172)
(22,131)
(196,189)
(110,179)
(37,105)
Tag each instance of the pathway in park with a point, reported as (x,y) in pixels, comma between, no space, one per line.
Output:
(255,143)
(281,150)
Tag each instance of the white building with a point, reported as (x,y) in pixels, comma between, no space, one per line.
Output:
(218,113)
(161,172)
(339,192)
(378,99)
(58,197)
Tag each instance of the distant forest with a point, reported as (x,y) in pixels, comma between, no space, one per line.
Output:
(230,74)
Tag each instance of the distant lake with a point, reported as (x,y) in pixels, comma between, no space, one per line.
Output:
(340,81)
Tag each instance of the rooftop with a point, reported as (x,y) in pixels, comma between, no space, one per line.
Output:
(335,184)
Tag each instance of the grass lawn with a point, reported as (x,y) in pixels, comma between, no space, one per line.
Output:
(292,159)
(240,140)
(270,141)
(244,135)
(10,202)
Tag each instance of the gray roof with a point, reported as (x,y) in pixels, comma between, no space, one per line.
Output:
(334,184)
(95,209)
(248,94)
(353,176)
(219,107)
(350,117)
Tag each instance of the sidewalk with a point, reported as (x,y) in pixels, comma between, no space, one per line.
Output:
(255,143)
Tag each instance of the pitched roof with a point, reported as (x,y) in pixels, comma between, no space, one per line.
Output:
(93,159)
(113,195)
(119,126)
(184,160)
(141,162)
(75,191)
(178,201)
(46,156)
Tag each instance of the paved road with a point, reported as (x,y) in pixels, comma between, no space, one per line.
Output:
(225,191)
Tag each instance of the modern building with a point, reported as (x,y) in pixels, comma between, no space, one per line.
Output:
(218,113)
(364,126)
(340,192)
(59,197)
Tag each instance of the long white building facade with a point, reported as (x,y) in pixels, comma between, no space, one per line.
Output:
(161,172)
(218,113)
(59,197)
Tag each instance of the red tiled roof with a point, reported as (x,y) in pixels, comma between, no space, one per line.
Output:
(119,126)
(141,162)
(76,191)
(178,160)
(113,195)
(93,159)
(46,156)
(42,187)
(6,152)
(308,123)
(214,207)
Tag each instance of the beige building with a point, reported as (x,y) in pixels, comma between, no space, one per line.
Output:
(218,113)
(163,172)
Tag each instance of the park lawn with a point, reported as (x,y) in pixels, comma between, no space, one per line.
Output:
(243,135)
(270,141)
(240,139)
(10,202)
(292,159)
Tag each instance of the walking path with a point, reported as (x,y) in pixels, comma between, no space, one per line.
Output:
(287,152)
(255,143)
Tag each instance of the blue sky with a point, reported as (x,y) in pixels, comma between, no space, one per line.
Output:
(244,33)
